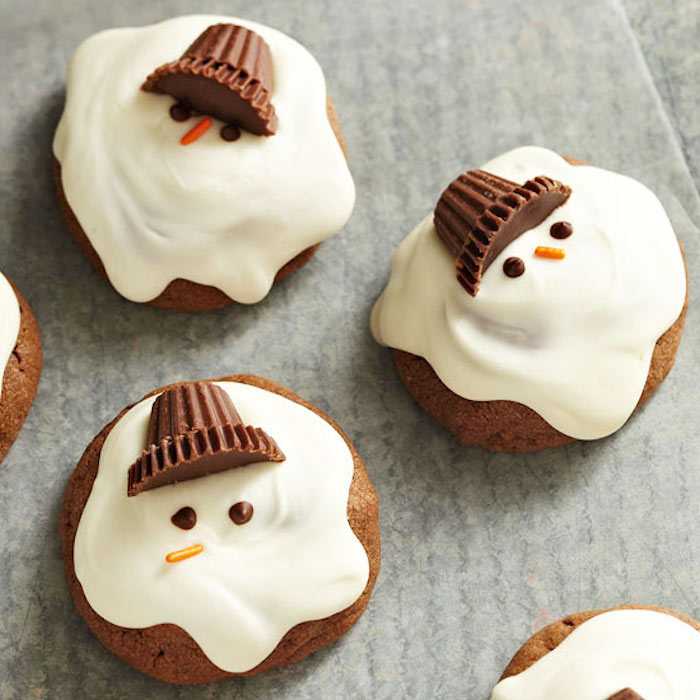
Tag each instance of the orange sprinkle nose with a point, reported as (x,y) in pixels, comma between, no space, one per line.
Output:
(543,251)
(184,553)
(196,131)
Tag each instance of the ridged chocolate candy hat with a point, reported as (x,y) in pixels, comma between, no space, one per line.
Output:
(479,214)
(195,430)
(626,694)
(226,73)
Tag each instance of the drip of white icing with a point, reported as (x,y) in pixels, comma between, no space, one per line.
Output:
(296,560)
(9,324)
(572,339)
(650,652)
(227,214)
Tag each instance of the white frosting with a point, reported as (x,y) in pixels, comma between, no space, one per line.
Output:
(9,324)
(227,214)
(652,653)
(296,560)
(572,339)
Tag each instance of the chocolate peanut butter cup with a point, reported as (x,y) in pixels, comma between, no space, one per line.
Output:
(626,694)
(479,214)
(226,73)
(195,430)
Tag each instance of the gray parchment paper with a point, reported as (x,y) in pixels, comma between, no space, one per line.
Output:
(479,549)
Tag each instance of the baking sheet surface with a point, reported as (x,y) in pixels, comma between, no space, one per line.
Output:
(479,549)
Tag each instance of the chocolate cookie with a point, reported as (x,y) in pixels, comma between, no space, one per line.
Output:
(167,651)
(21,377)
(181,294)
(611,632)
(206,181)
(478,217)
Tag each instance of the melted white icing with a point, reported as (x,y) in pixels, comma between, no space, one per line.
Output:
(227,214)
(650,652)
(572,339)
(9,324)
(296,560)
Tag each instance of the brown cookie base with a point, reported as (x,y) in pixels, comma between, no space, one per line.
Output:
(21,378)
(551,636)
(181,294)
(166,651)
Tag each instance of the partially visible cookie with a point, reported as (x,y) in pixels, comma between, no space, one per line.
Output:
(241,536)
(521,315)
(20,362)
(233,196)
(625,653)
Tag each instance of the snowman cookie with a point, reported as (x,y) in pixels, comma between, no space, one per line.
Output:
(543,301)
(198,160)
(20,362)
(627,653)
(219,529)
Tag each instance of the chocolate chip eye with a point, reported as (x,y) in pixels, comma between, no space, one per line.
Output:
(561,230)
(514,267)
(230,132)
(241,512)
(185,518)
